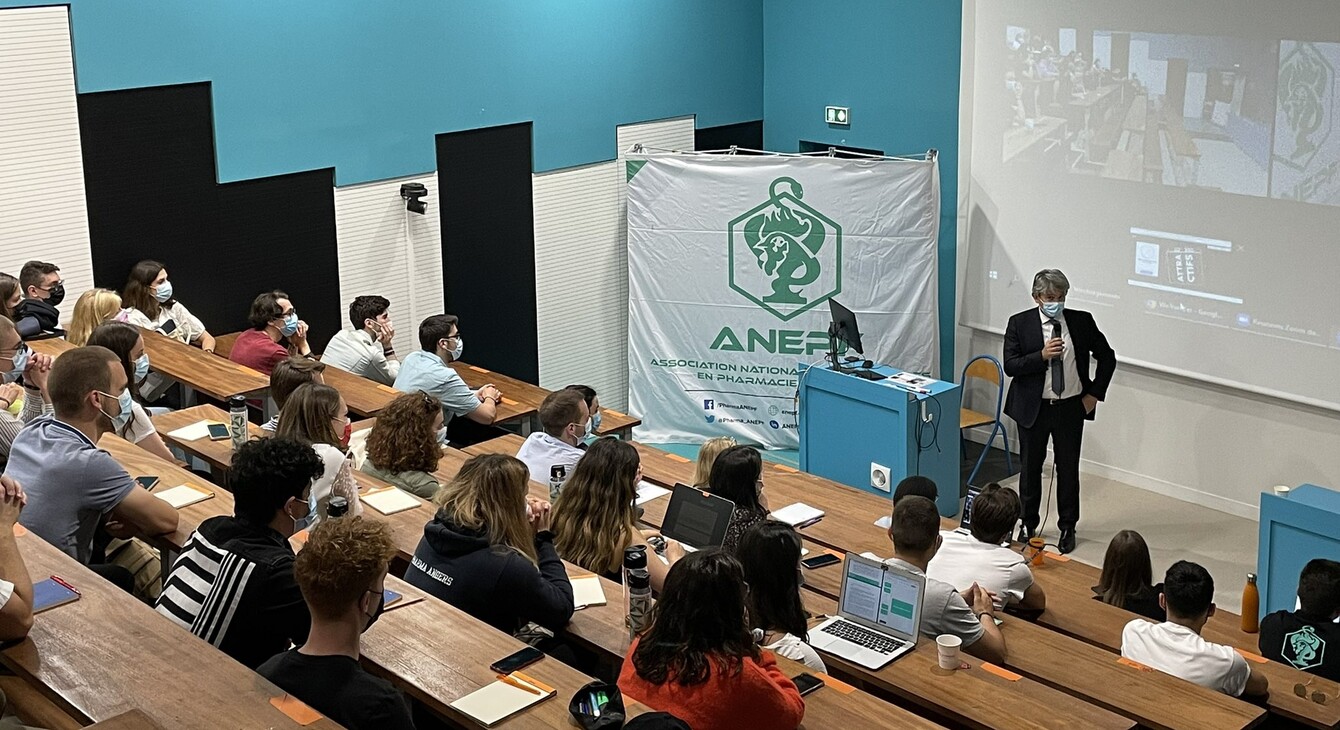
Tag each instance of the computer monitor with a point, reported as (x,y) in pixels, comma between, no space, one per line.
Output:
(844,326)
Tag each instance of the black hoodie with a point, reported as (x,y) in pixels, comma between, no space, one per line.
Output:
(495,584)
(35,319)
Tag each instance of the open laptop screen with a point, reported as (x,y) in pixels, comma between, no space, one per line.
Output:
(880,595)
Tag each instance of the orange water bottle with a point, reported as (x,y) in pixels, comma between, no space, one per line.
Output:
(1251,606)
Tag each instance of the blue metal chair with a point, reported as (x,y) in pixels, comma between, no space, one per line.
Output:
(986,368)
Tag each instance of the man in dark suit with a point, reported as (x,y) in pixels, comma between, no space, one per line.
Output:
(1047,351)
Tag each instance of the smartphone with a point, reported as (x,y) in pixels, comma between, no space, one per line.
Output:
(218,432)
(807,683)
(147,482)
(52,592)
(390,598)
(168,327)
(523,658)
(819,561)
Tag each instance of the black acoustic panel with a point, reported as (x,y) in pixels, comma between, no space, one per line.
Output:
(153,193)
(745,135)
(488,245)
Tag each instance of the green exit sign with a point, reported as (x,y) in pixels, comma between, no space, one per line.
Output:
(837,115)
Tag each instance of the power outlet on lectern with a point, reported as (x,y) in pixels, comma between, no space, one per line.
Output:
(879,477)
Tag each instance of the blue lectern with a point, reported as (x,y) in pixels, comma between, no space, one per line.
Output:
(1294,530)
(847,422)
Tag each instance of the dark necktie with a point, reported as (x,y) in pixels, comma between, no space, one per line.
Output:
(1058,367)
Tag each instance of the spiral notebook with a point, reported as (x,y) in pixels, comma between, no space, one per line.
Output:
(497,701)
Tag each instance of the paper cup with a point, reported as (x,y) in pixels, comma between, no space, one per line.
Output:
(1281,490)
(948,645)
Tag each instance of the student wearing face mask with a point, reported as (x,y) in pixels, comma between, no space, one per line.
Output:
(342,573)
(565,423)
(244,561)
(153,305)
(10,295)
(592,407)
(276,333)
(72,485)
(36,316)
(18,362)
(317,416)
(1047,351)
(366,349)
(429,370)
(127,344)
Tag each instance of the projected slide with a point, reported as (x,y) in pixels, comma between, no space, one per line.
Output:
(1180,161)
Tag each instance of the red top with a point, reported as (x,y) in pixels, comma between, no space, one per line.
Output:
(760,696)
(256,350)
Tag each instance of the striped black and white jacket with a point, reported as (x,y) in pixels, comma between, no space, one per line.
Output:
(233,586)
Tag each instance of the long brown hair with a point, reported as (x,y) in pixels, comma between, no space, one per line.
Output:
(403,438)
(489,495)
(307,415)
(139,291)
(594,519)
(8,286)
(1126,568)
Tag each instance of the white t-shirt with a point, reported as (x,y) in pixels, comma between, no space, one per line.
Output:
(186,326)
(1181,652)
(140,426)
(963,560)
(542,451)
(792,647)
(6,590)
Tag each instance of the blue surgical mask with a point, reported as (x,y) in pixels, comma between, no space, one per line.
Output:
(120,420)
(595,423)
(20,363)
(460,348)
(442,436)
(163,292)
(142,368)
(302,523)
(1053,309)
(290,325)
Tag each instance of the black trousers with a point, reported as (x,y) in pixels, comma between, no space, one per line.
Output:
(1063,423)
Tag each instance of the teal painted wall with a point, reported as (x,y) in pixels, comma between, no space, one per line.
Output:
(895,63)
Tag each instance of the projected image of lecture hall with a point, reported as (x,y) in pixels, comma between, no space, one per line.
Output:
(1178,110)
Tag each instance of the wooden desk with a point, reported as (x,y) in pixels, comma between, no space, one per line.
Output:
(129,720)
(218,454)
(521,402)
(53,346)
(216,377)
(365,398)
(1135,116)
(107,653)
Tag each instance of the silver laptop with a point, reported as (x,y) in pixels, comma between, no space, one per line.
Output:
(696,519)
(965,521)
(879,614)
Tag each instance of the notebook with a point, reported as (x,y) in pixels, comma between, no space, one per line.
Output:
(497,701)
(390,501)
(647,492)
(183,495)
(197,430)
(586,591)
(797,515)
(51,593)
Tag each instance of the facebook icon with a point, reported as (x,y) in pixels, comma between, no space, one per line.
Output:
(709,404)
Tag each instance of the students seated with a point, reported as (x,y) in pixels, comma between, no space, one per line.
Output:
(36,316)
(10,295)
(233,583)
(595,520)
(970,615)
(428,370)
(366,349)
(287,375)
(16,587)
(20,362)
(489,551)
(737,475)
(592,400)
(698,661)
(769,553)
(1127,576)
(403,448)
(915,485)
(1176,647)
(127,344)
(342,573)
(979,557)
(564,420)
(72,485)
(707,456)
(153,306)
(92,309)
(317,416)
(276,333)
(1301,638)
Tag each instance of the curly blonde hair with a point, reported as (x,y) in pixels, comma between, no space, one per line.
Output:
(403,439)
(94,307)
(341,560)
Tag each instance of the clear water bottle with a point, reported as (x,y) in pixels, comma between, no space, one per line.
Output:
(337,507)
(237,421)
(638,587)
(558,473)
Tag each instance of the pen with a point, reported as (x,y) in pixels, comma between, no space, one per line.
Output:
(62,581)
(518,684)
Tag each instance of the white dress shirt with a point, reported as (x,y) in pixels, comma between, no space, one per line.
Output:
(1072,384)
(357,352)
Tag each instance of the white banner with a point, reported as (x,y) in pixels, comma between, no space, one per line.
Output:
(731,262)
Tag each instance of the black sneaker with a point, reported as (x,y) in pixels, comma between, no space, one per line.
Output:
(1067,542)
(1025,532)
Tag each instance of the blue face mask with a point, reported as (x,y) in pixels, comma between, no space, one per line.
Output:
(120,420)
(290,325)
(20,363)
(1053,309)
(302,523)
(163,292)
(595,423)
(142,368)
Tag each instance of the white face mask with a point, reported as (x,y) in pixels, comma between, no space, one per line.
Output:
(460,348)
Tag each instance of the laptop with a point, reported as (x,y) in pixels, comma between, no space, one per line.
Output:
(879,614)
(965,522)
(696,519)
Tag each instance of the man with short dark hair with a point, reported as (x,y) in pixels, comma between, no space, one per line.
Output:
(233,583)
(979,557)
(969,615)
(276,333)
(36,316)
(72,485)
(429,370)
(1176,647)
(366,349)
(342,573)
(1308,638)
(287,375)
(915,485)
(566,422)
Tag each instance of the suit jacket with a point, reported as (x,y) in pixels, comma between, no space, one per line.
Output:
(1024,363)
